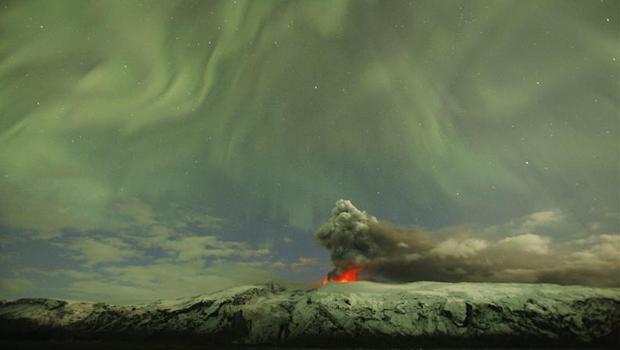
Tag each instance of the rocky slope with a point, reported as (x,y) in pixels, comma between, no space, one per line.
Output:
(339,315)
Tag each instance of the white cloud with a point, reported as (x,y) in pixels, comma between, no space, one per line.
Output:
(459,248)
(165,280)
(197,247)
(102,250)
(603,249)
(135,211)
(303,263)
(15,286)
(541,219)
(528,242)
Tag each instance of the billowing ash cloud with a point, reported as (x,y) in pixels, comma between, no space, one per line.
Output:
(390,253)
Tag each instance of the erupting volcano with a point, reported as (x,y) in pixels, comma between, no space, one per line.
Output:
(350,274)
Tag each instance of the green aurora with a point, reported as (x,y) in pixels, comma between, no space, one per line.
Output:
(132,132)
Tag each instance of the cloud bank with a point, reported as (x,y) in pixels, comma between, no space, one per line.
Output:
(386,252)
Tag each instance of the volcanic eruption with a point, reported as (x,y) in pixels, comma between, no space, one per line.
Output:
(350,274)
(339,234)
(364,248)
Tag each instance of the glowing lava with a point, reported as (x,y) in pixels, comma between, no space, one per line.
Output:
(350,274)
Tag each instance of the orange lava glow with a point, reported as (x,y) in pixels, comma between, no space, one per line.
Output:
(350,274)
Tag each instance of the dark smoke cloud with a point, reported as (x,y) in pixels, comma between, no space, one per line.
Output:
(390,253)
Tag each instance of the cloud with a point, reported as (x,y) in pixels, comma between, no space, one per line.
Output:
(541,219)
(459,248)
(386,252)
(529,243)
(603,252)
(15,286)
(165,280)
(176,231)
(197,247)
(135,211)
(303,263)
(102,250)
(153,254)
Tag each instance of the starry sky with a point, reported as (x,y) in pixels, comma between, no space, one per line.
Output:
(156,149)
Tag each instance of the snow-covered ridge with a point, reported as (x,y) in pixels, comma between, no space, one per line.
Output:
(348,314)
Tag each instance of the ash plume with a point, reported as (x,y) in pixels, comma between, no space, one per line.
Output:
(389,253)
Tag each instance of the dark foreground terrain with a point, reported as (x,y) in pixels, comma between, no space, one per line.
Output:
(359,314)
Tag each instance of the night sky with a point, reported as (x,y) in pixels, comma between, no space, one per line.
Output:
(158,149)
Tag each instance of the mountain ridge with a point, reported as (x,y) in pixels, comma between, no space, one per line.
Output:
(358,314)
